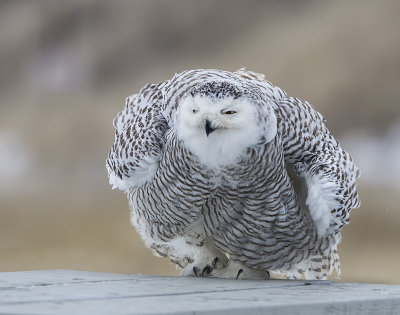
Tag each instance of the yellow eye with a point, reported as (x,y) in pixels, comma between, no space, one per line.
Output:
(229,112)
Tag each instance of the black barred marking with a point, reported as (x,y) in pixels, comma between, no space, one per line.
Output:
(216,89)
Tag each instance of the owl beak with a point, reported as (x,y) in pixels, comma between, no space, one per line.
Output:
(209,129)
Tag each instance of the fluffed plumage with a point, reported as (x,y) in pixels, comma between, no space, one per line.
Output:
(208,160)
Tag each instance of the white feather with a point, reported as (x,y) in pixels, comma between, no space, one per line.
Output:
(233,134)
(320,201)
(144,172)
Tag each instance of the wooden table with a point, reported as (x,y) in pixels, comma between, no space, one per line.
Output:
(80,292)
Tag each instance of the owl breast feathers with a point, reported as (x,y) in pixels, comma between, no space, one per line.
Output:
(229,177)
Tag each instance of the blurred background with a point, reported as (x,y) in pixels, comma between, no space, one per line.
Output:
(66,68)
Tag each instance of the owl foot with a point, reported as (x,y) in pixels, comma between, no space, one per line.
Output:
(235,270)
(205,268)
(215,264)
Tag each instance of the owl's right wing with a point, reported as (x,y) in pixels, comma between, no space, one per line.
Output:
(139,140)
(311,152)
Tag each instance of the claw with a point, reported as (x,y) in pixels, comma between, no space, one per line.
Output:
(206,271)
(196,271)
(239,273)
(214,262)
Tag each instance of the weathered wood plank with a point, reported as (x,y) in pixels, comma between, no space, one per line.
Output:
(77,292)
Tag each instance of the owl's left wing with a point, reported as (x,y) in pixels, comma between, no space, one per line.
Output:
(328,170)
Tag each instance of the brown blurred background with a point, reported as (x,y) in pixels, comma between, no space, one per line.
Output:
(67,66)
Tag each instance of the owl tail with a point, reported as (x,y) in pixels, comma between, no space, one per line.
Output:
(320,264)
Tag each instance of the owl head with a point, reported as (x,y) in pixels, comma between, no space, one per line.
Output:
(217,121)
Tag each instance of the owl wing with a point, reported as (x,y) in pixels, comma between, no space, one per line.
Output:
(139,140)
(329,171)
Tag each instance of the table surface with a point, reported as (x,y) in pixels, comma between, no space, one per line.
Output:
(81,292)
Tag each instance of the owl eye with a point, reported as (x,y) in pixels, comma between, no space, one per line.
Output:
(229,112)
(195,111)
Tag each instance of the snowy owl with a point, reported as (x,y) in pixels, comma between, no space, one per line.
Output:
(229,177)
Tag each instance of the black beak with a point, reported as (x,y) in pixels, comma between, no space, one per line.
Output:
(209,129)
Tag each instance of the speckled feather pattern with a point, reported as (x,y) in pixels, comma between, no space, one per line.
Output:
(249,209)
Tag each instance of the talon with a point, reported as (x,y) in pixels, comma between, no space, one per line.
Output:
(215,261)
(206,271)
(239,273)
(196,271)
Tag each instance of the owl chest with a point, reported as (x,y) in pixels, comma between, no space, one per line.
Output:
(255,167)
(185,183)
